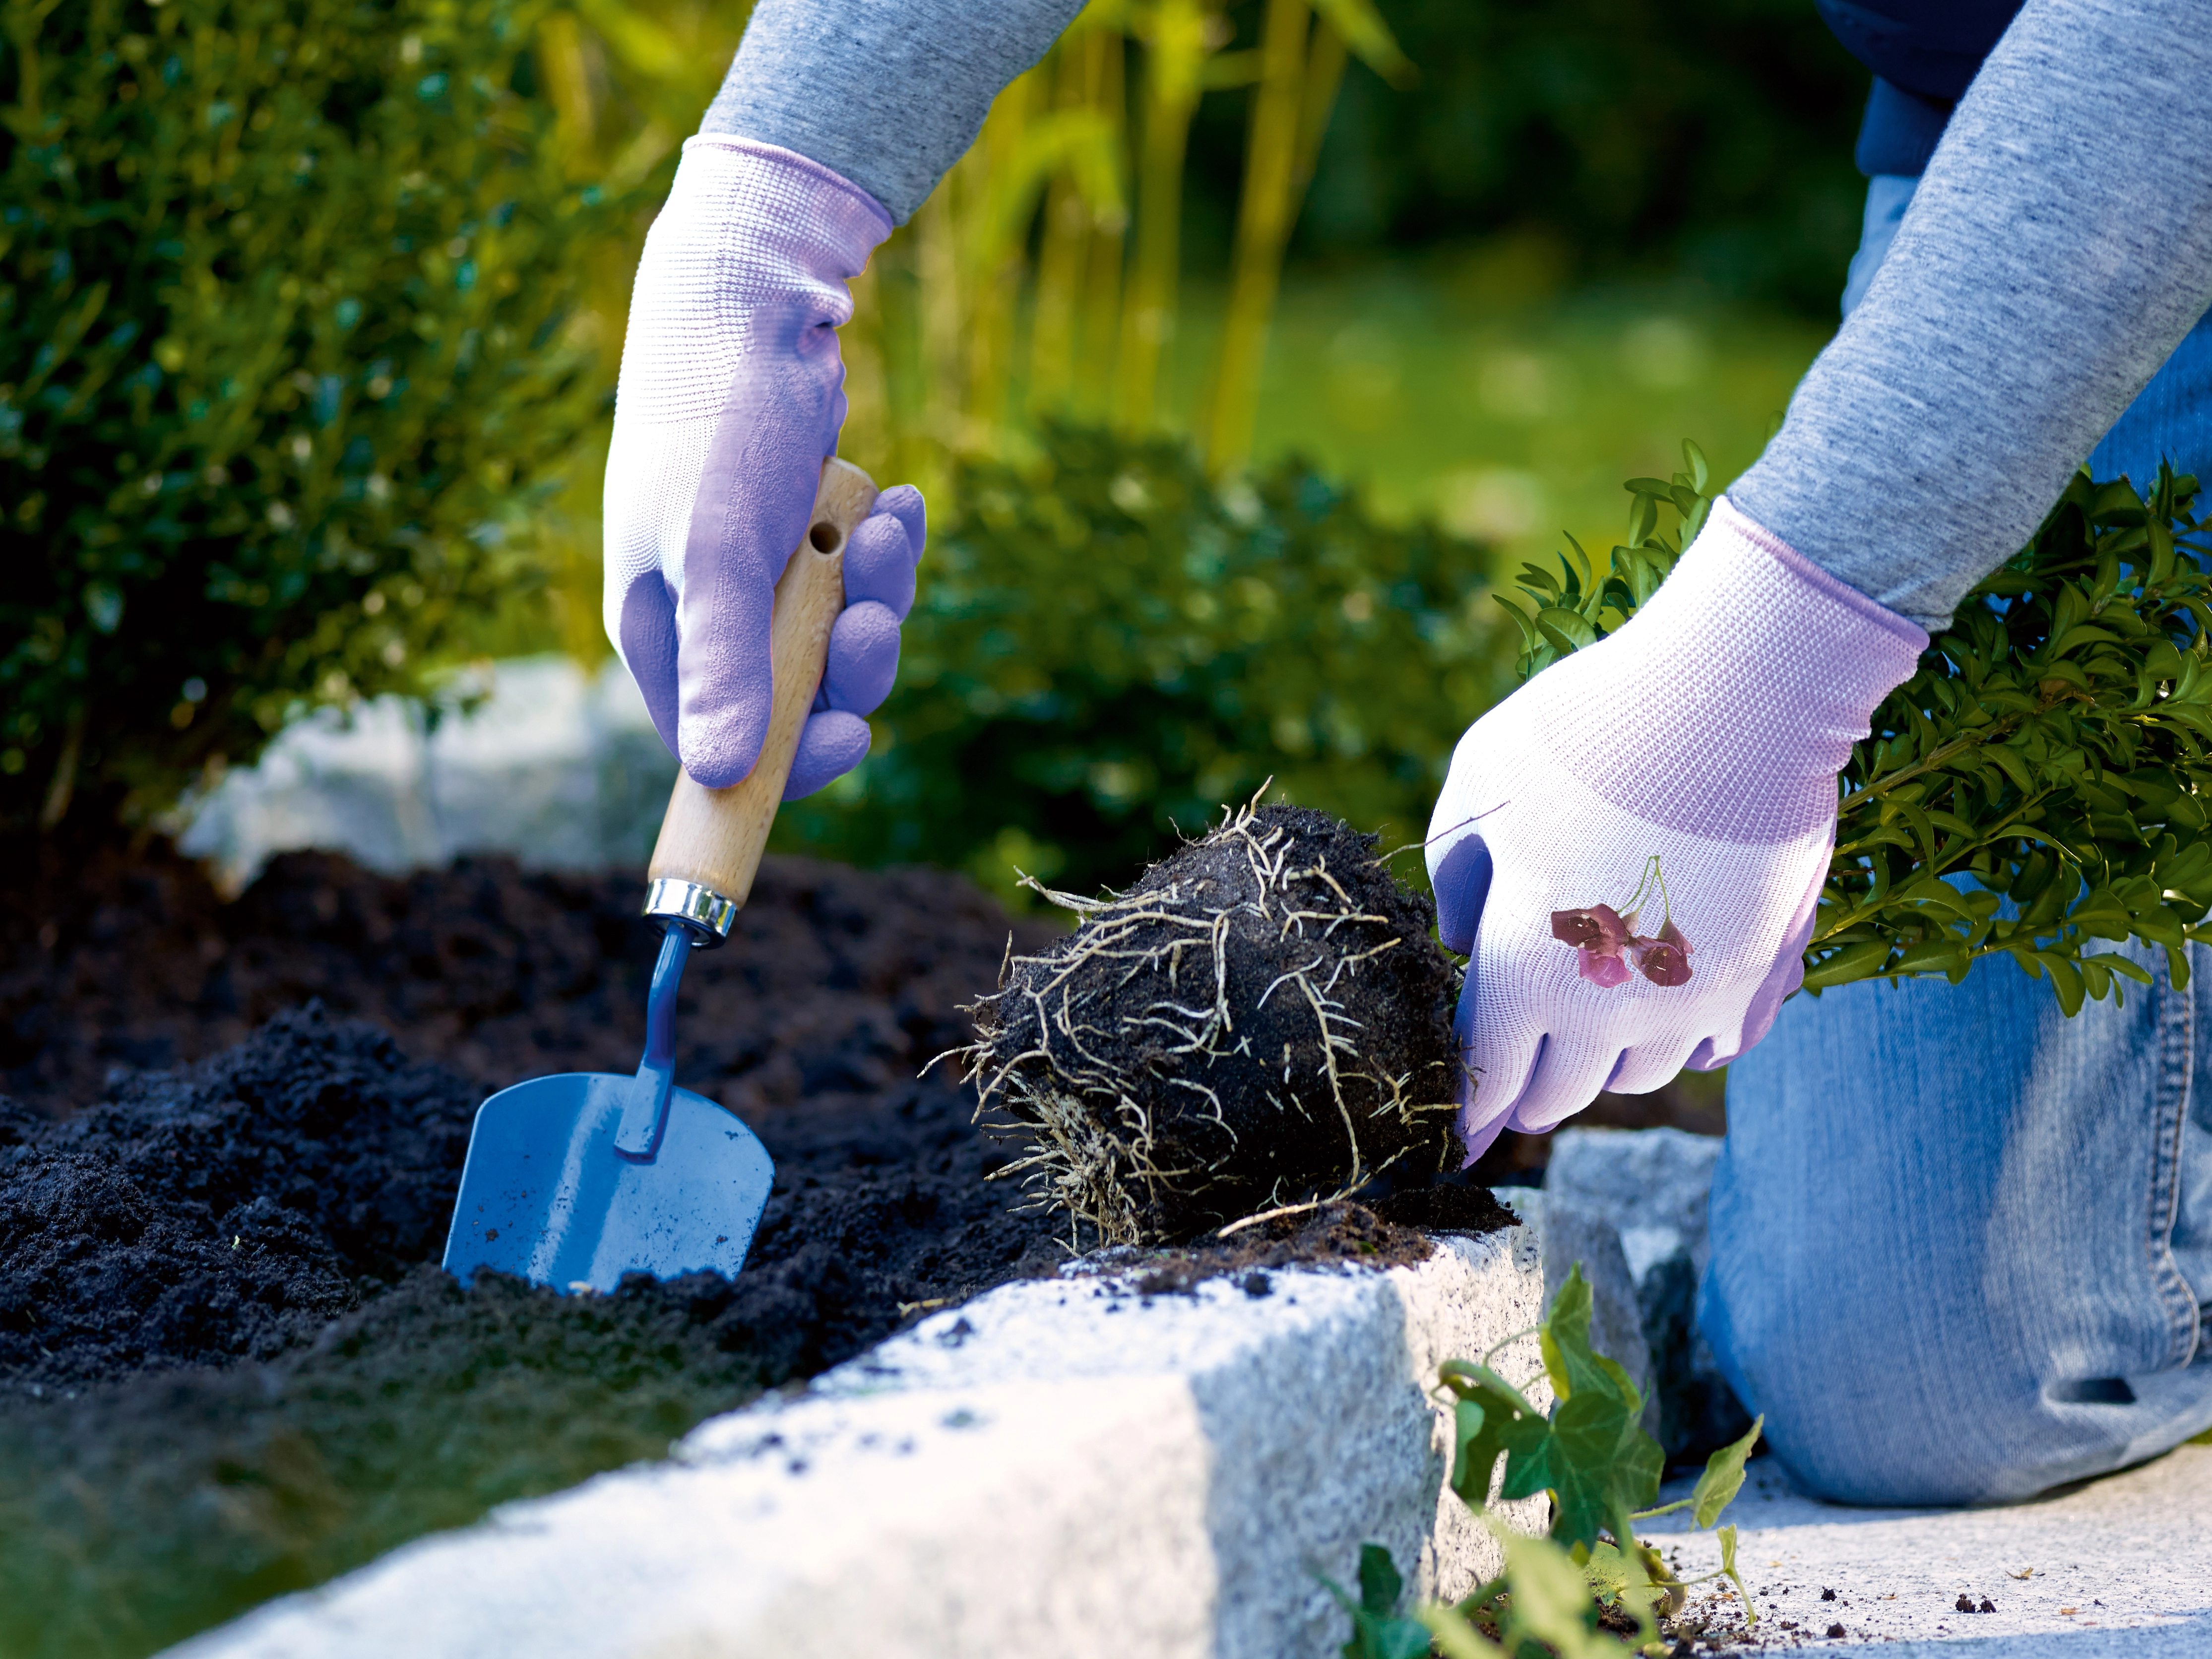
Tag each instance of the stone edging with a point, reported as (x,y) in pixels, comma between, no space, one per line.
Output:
(1059,1467)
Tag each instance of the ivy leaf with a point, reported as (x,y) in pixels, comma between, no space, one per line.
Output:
(1727,1535)
(1724,1477)
(1595,1459)
(1377,1631)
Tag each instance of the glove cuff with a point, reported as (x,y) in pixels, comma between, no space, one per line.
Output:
(1726,707)
(822,218)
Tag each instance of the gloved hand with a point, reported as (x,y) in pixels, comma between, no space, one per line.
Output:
(731,398)
(1630,846)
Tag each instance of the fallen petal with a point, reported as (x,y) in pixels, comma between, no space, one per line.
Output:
(1602,969)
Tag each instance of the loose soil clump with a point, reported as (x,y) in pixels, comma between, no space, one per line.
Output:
(1263,1021)
(1341,1234)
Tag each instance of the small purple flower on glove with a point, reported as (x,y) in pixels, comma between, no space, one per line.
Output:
(1606,942)
(1599,937)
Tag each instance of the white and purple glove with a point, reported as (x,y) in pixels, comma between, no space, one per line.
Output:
(1630,848)
(731,398)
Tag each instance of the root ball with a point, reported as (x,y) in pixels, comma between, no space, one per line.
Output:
(1262,1021)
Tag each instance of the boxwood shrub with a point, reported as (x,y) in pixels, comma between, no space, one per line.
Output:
(284,286)
(1106,648)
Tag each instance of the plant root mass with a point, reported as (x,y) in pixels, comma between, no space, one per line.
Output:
(1263,1021)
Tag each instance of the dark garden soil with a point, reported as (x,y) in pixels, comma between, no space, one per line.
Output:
(228,1148)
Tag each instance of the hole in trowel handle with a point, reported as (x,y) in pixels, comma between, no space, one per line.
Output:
(824,536)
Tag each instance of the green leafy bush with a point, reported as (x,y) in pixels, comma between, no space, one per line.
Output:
(282,285)
(1106,648)
(2041,782)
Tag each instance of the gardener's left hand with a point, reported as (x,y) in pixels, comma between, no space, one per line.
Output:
(1630,847)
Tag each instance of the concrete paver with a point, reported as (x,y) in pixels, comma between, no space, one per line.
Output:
(2119,1568)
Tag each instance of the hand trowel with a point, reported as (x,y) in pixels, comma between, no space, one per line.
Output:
(574,1181)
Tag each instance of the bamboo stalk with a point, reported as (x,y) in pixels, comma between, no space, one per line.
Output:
(1273,187)
(1066,242)
(937,266)
(1098,321)
(997,250)
(1174,60)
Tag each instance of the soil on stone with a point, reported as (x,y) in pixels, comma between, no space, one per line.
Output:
(1264,1018)
(1331,1235)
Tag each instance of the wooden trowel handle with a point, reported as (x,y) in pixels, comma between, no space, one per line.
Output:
(711,839)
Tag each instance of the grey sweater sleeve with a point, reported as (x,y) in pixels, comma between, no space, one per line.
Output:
(2058,248)
(888,92)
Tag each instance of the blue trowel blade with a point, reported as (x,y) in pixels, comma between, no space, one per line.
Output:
(546,1195)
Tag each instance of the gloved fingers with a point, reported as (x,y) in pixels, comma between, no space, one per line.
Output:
(864,653)
(1461,882)
(880,559)
(1501,1061)
(645,635)
(1478,1131)
(1646,1066)
(904,503)
(1781,982)
(1568,1073)
(829,745)
(755,496)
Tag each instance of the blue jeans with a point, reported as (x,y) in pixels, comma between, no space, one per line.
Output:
(1961,1244)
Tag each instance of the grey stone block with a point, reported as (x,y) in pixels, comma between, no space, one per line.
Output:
(537,758)
(1062,1467)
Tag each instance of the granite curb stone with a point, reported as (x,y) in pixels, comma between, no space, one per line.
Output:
(1061,1467)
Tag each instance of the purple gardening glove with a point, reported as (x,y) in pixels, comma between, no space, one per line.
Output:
(1630,846)
(731,398)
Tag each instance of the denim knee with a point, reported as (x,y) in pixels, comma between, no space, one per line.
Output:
(1944,1230)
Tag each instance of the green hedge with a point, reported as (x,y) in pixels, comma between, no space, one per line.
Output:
(283,290)
(1105,650)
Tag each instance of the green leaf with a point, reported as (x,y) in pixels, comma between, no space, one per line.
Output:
(1552,1600)
(1454,1637)
(1727,1535)
(1570,631)
(1700,472)
(1643,519)
(2065,979)
(1377,1631)
(1528,623)
(1724,1477)
(1616,1581)
(1853,961)
(1369,38)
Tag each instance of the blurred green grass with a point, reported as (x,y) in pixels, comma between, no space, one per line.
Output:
(1464,387)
